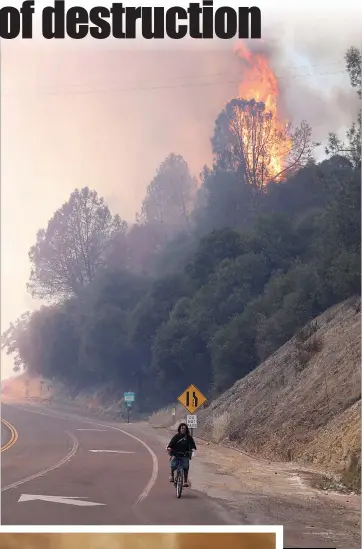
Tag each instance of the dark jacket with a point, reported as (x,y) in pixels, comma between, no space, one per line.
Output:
(182,443)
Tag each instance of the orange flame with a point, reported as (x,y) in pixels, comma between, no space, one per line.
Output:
(260,83)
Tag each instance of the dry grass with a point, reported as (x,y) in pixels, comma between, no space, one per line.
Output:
(98,399)
(307,332)
(24,386)
(307,343)
(164,417)
(351,477)
(305,351)
(309,414)
(219,426)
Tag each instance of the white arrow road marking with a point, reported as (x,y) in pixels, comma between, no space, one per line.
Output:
(98,430)
(58,499)
(113,451)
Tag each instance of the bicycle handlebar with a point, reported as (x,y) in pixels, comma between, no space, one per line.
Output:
(180,454)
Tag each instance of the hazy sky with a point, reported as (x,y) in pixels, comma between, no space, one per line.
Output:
(105,114)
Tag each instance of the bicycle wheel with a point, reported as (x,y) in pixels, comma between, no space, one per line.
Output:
(179,482)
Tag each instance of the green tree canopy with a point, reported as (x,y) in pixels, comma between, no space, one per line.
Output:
(70,251)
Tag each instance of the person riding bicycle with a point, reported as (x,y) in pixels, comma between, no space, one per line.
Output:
(182,445)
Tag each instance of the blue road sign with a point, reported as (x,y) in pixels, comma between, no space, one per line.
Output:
(129,397)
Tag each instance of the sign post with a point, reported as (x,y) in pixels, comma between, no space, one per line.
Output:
(192,399)
(129,399)
(129,406)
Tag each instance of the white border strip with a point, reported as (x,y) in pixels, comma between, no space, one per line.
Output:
(1,426)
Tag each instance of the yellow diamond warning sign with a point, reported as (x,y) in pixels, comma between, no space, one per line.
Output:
(192,399)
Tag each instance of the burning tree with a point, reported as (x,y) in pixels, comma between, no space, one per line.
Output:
(248,137)
(249,133)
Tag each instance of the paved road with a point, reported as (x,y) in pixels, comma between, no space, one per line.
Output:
(63,455)
(5,435)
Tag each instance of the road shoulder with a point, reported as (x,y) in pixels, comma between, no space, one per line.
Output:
(265,492)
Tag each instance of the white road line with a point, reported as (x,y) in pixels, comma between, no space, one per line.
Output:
(49,469)
(113,451)
(36,412)
(154,474)
(98,430)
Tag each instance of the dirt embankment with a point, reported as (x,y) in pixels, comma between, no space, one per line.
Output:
(303,403)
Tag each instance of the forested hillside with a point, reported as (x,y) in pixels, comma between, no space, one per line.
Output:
(213,276)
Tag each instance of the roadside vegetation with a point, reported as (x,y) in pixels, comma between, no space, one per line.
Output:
(211,279)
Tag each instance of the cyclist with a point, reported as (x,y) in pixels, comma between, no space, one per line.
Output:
(181,444)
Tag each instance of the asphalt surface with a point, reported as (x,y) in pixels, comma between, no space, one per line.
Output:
(5,434)
(53,456)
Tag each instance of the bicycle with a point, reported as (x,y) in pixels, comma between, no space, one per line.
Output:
(179,472)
